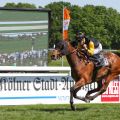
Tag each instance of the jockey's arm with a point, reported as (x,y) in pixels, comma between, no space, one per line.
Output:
(91,48)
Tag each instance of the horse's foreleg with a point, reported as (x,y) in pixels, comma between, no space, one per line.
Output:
(74,90)
(77,87)
(71,98)
(94,90)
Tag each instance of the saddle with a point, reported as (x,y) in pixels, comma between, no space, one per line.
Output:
(99,60)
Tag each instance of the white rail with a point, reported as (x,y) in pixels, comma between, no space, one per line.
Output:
(35,69)
(31,68)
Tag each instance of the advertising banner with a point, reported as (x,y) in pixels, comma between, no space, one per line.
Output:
(20,89)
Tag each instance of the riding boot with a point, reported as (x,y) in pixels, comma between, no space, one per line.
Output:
(98,62)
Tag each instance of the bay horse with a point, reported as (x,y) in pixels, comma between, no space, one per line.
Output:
(84,73)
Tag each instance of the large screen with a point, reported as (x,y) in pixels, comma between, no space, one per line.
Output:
(23,37)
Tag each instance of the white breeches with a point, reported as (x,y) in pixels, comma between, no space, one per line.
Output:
(98,49)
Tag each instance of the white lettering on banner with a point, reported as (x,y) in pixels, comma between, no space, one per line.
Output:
(112,93)
(19,90)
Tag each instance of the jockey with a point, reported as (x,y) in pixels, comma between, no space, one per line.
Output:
(92,47)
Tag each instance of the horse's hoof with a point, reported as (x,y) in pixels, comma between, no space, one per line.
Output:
(87,100)
(73,108)
(91,98)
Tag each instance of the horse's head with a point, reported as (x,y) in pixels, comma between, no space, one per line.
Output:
(61,48)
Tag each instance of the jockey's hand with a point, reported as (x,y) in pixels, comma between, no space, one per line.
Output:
(83,50)
(85,46)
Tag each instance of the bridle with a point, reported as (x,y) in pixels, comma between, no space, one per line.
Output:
(76,50)
(79,53)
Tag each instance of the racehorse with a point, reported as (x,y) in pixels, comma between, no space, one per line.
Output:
(85,73)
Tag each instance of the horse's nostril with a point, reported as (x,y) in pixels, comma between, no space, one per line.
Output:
(53,56)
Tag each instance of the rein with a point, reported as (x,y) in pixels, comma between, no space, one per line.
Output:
(73,51)
(83,56)
(80,55)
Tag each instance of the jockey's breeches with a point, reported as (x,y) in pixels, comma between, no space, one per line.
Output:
(98,49)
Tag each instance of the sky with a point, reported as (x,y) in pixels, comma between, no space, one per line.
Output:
(115,4)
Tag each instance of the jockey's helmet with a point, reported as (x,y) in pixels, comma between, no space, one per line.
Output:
(80,36)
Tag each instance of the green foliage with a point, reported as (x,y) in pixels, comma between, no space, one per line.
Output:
(96,21)
(19,5)
(25,5)
(10,5)
(56,20)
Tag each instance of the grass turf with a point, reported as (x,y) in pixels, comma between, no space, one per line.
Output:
(7,15)
(9,46)
(61,112)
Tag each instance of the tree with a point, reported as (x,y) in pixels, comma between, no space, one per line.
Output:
(19,5)
(56,20)
(96,21)
(25,5)
(10,5)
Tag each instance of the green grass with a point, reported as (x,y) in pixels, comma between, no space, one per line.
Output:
(7,15)
(61,112)
(19,45)
(58,62)
(15,31)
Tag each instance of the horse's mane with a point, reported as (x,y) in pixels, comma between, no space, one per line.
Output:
(74,43)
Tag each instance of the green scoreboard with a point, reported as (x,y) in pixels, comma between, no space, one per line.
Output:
(24,35)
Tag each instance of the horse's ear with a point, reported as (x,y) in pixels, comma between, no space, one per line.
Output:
(62,47)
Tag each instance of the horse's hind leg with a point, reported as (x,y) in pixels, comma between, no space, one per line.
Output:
(104,87)
(94,90)
(102,73)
